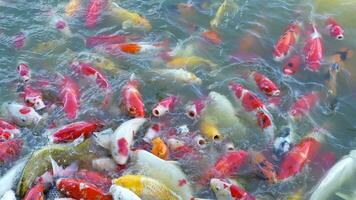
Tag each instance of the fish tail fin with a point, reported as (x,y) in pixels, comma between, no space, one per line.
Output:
(344,196)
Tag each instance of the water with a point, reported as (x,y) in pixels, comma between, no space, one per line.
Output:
(253,30)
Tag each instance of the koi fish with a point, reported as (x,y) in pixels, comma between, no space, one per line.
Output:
(194,109)
(134,48)
(190,62)
(227,191)
(336,31)
(24,72)
(8,127)
(70,97)
(20,114)
(10,150)
(10,178)
(164,106)
(33,98)
(173,176)
(80,189)
(304,104)
(292,65)
(96,178)
(146,187)
(313,50)
(19,40)
(104,39)
(160,149)
(265,84)
(131,101)
(210,131)
(130,20)
(181,150)
(284,142)
(122,193)
(35,193)
(9,195)
(179,75)
(254,105)
(285,43)
(227,8)
(74,130)
(89,71)
(60,24)
(339,58)
(103,63)
(94,9)
(300,155)
(265,167)
(72,7)
(339,174)
(225,166)
(152,132)
(212,36)
(123,139)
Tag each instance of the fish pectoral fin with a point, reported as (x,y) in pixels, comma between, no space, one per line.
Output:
(344,196)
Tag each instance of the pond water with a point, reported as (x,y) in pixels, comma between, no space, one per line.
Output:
(248,34)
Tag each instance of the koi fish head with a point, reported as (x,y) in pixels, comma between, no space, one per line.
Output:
(337,32)
(33,98)
(24,72)
(292,65)
(237,89)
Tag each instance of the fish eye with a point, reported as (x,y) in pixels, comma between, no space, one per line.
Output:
(290,64)
(191,114)
(132,110)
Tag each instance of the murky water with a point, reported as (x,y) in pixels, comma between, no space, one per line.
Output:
(251,32)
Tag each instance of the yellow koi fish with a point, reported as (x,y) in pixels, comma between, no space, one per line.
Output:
(190,62)
(146,188)
(72,7)
(227,9)
(130,20)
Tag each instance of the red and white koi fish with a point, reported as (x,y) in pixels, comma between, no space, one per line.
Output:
(35,193)
(164,106)
(90,71)
(20,115)
(181,150)
(228,191)
(94,10)
(292,65)
(7,130)
(314,50)
(226,165)
(152,132)
(106,39)
(123,138)
(131,100)
(81,189)
(254,105)
(304,104)
(265,84)
(96,178)
(300,155)
(212,36)
(70,97)
(33,98)
(194,109)
(285,43)
(336,31)
(59,23)
(135,48)
(24,72)
(19,40)
(10,150)
(74,130)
